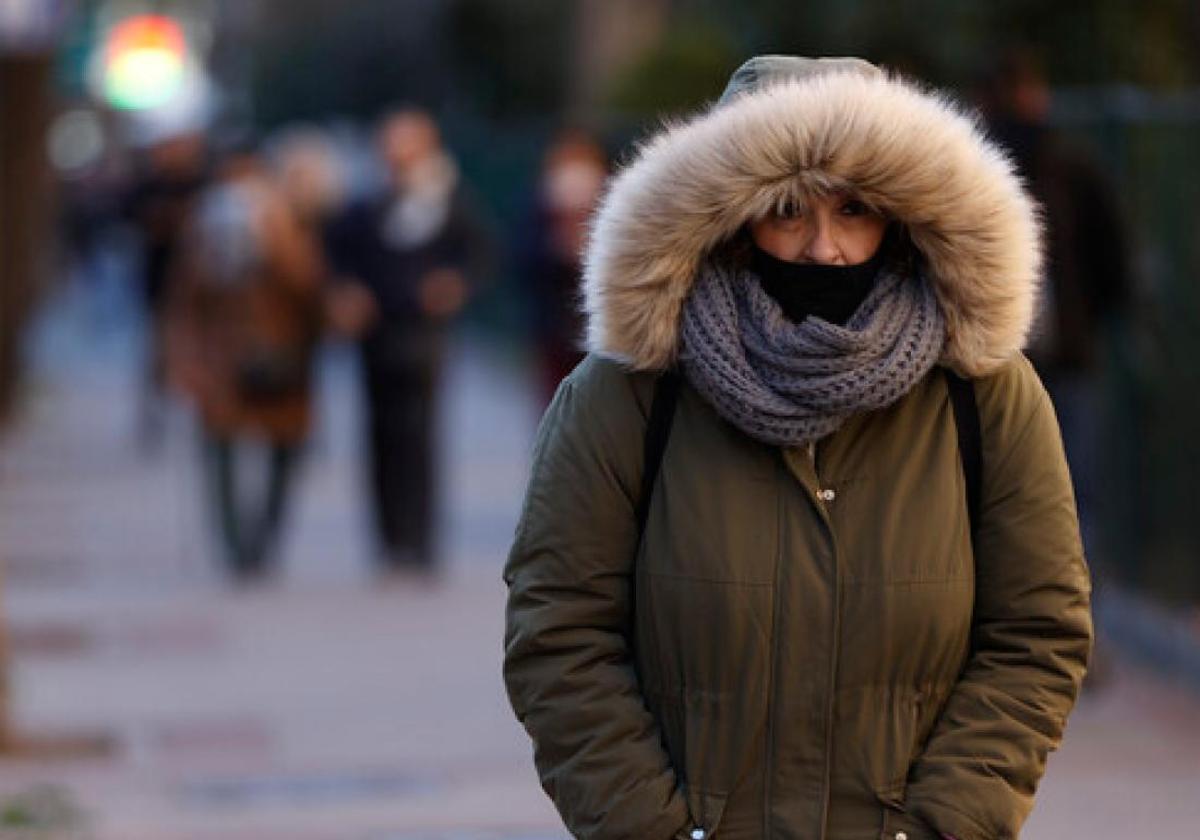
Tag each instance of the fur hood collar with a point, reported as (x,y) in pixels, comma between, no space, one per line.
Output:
(910,153)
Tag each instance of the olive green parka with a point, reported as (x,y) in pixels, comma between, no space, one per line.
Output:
(804,644)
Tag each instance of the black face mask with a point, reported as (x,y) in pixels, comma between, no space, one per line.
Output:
(832,293)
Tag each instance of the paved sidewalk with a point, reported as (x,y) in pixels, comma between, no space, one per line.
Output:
(323,706)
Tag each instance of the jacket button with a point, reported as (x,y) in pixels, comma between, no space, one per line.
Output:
(827,495)
(901,835)
(700,834)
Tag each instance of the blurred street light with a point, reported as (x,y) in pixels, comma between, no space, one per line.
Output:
(148,62)
(143,61)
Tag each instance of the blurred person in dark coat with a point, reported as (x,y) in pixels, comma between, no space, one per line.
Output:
(1086,285)
(408,259)
(169,174)
(245,316)
(572,178)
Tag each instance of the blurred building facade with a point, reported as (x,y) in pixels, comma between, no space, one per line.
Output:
(29,34)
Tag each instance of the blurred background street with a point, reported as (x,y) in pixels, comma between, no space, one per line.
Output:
(324,708)
(321,707)
(285,287)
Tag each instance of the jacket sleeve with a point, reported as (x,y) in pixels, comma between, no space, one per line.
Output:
(568,665)
(1031,628)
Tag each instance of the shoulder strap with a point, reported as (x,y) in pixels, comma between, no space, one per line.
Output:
(970,441)
(658,430)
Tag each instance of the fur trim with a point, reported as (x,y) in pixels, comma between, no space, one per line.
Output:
(909,153)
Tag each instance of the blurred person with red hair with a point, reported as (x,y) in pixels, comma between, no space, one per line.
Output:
(573,172)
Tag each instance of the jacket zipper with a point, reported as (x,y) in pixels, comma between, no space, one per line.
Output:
(772,686)
(835,653)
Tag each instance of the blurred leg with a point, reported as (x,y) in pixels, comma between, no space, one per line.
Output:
(263,540)
(222,484)
(418,481)
(385,459)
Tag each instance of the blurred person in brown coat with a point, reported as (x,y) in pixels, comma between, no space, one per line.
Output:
(244,324)
(551,250)
(407,259)
(1086,286)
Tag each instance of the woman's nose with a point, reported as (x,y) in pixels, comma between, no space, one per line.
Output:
(821,247)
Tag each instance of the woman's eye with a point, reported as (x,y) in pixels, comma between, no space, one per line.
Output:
(854,207)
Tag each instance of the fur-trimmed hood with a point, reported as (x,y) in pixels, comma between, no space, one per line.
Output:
(908,152)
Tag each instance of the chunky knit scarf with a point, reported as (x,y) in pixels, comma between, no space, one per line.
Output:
(789,384)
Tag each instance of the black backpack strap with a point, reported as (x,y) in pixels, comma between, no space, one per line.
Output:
(658,430)
(970,441)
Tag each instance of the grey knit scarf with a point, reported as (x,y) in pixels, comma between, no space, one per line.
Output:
(790,384)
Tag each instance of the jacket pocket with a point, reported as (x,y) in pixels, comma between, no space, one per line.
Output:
(706,809)
(906,744)
(713,743)
(879,732)
(897,824)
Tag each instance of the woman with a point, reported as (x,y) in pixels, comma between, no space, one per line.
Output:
(245,320)
(809,639)
(554,233)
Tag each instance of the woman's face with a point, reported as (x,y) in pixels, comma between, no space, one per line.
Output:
(835,229)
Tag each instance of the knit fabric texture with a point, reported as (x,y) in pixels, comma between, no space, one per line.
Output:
(790,384)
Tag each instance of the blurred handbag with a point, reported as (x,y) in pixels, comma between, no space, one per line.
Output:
(266,374)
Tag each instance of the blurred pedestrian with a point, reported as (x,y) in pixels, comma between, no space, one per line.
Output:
(93,184)
(170,172)
(799,556)
(1087,287)
(245,319)
(307,169)
(1086,290)
(408,258)
(551,251)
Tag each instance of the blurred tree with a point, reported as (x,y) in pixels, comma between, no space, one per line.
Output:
(511,56)
(1099,41)
(1083,41)
(26,207)
(314,58)
(609,37)
(688,67)
(514,59)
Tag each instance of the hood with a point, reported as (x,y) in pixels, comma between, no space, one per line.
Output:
(788,127)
